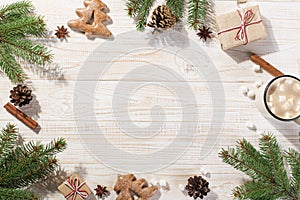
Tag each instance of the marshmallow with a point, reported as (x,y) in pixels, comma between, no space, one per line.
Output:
(282,98)
(204,171)
(258,84)
(181,187)
(256,68)
(251,94)
(163,183)
(153,182)
(250,125)
(244,90)
(229,195)
(260,132)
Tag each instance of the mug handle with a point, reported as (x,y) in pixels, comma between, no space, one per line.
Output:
(297,121)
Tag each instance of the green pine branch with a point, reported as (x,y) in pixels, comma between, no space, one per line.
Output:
(293,159)
(177,7)
(24,26)
(254,191)
(197,11)
(266,167)
(133,7)
(8,139)
(27,50)
(142,15)
(16,9)
(272,153)
(9,65)
(17,25)
(14,194)
(27,164)
(21,166)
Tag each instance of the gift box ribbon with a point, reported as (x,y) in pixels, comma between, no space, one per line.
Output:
(246,19)
(75,186)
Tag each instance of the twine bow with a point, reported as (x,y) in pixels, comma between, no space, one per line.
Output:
(246,20)
(75,186)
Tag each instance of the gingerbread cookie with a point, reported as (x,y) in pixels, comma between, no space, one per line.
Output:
(91,19)
(127,185)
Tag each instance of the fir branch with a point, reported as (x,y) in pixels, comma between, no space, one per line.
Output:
(293,159)
(254,160)
(143,14)
(27,50)
(9,65)
(133,7)
(272,153)
(29,163)
(233,158)
(16,9)
(177,7)
(254,191)
(197,13)
(18,23)
(26,25)
(272,184)
(14,194)
(8,139)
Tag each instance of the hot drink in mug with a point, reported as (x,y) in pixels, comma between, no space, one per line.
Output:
(280,98)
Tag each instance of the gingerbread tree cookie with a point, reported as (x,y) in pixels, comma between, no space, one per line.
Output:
(91,19)
(128,184)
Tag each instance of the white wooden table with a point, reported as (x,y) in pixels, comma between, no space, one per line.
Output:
(54,91)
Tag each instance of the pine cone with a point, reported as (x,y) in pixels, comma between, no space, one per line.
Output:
(162,18)
(20,95)
(197,187)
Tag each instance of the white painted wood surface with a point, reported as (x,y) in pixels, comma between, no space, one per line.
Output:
(54,90)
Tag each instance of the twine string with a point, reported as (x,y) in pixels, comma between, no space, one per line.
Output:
(75,186)
(246,20)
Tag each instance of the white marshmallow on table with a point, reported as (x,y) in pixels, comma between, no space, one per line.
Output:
(229,195)
(251,94)
(204,171)
(244,90)
(258,84)
(256,68)
(181,187)
(153,182)
(260,132)
(163,183)
(250,125)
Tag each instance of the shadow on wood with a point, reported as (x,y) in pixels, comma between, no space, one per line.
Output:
(261,47)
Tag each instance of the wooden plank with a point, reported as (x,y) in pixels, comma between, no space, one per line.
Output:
(54,90)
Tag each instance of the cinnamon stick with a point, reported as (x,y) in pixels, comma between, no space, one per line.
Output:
(28,121)
(265,65)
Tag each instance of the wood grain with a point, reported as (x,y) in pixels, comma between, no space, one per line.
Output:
(53,106)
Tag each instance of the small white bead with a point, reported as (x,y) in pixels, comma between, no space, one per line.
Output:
(229,195)
(204,171)
(181,187)
(256,68)
(153,182)
(260,132)
(258,84)
(244,90)
(250,125)
(163,183)
(251,94)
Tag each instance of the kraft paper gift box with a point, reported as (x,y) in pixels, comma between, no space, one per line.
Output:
(74,188)
(240,27)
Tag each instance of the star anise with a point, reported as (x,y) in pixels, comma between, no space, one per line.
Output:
(204,33)
(61,32)
(101,191)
